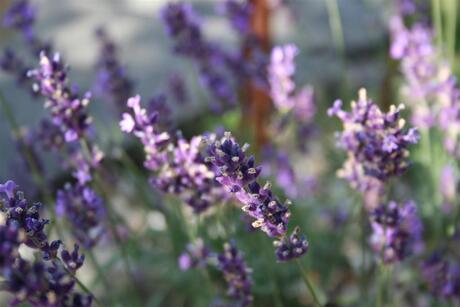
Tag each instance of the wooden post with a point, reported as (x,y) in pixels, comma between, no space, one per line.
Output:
(258,100)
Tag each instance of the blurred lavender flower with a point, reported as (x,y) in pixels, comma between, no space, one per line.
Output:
(397,231)
(196,255)
(84,209)
(448,184)
(186,175)
(291,247)
(13,65)
(144,126)
(10,239)
(21,16)
(50,135)
(430,86)
(177,89)
(442,277)
(158,104)
(112,82)
(179,167)
(237,274)
(300,105)
(238,13)
(376,142)
(67,109)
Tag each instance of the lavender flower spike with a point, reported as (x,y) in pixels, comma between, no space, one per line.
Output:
(236,273)
(68,110)
(376,142)
(397,231)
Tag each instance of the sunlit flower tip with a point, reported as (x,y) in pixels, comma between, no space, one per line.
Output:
(73,260)
(127,123)
(8,188)
(294,246)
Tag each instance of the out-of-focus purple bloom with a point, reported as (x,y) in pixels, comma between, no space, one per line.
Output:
(21,16)
(50,136)
(179,167)
(13,65)
(376,142)
(186,175)
(177,89)
(280,75)
(397,231)
(196,255)
(84,209)
(10,239)
(83,165)
(442,276)
(238,13)
(112,82)
(237,274)
(144,126)
(291,247)
(68,111)
(449,183)
(297,104)
(277,163)
(430,86)
(158,104)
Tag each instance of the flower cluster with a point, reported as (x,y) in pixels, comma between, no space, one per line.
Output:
(236,273)
(68,110)
(291,103)
(46,281)
(397,231)
(230,262)
(376,142)
(112,81)
(84,209)
(430,85)
(291,247)
(442,276)
(177,89)
(21,16)
(179,167)
(196,255)
(181,24)
(238,174)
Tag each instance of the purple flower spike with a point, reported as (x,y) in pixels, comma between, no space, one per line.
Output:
(237,274)
(73,260)
(196,255)
(397,231)
(291,247)
(68,110)
(10,239)
(112,81)
(84,209)
(8,188)
(238,174)
(376,142)
(442,276)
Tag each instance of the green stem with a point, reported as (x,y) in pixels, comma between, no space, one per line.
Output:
(36,174)
(437,17)
(111,215)
(309,284)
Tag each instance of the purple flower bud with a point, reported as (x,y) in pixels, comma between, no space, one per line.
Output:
(397,231)
(291,247)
